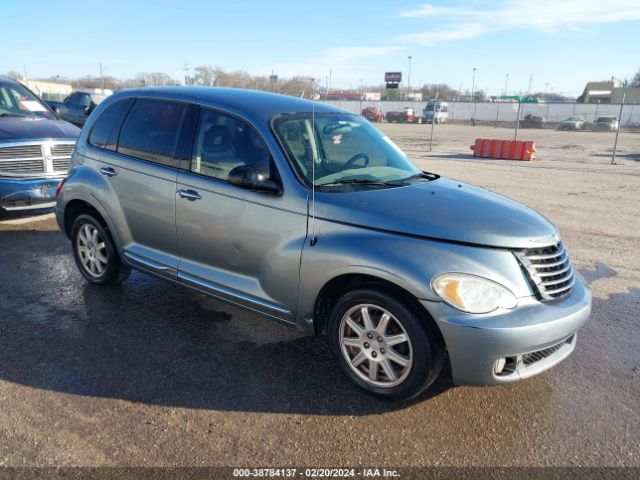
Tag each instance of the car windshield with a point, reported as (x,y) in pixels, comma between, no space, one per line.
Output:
(573,119)
(605,119)
(340,151)
(17,101)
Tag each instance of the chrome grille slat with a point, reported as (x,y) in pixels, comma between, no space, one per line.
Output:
(552,272)
(559,253)
(550,283)
(562,289)
(549,270)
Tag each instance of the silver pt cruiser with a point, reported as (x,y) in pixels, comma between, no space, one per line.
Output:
(311,216)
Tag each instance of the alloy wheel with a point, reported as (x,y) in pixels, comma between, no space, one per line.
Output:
(92,250)
(376,345)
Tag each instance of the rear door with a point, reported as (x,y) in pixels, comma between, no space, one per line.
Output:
(239,245)
(142,174)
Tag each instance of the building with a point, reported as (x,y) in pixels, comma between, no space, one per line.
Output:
(48,91)
(610,92)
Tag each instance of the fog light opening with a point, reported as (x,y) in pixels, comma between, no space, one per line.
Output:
(505,366)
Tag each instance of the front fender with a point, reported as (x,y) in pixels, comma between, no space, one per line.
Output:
(407,262)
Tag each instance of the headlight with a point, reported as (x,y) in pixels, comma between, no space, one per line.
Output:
(472,294)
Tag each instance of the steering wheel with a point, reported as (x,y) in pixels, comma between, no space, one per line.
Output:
(355,158)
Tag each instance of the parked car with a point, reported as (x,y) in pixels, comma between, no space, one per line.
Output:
(373,114)
(572,123)
(212,189)
(441,112)
(608,123)
(403,115)
(35,148)
(77,107)
(532,121)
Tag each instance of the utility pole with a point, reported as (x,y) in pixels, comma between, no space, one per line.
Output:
(409,78)
(102,75)
(506,86)
(530,81)
(24,69)
(615,144)
(187,76)
(473,86)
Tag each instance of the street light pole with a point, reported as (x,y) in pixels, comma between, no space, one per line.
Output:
(409,78)
(506,86)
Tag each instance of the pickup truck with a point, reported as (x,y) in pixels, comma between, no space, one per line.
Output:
(77,107)
(35,150)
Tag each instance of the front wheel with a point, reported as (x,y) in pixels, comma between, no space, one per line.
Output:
(384,344)
(95,252)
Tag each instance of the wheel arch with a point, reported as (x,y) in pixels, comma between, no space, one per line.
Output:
(75,208)
(333,289)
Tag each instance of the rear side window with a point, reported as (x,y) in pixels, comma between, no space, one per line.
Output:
(151,130)
(101,133)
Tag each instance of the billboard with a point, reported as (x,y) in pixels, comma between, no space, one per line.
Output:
(393,77)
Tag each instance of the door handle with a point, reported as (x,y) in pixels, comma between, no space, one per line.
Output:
(190,195)
(108,172)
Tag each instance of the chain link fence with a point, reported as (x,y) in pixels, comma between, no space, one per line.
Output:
(506,112)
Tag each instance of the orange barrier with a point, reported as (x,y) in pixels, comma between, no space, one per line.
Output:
(507,149)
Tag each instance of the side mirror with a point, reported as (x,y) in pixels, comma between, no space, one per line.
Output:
(87,109)
(245,176)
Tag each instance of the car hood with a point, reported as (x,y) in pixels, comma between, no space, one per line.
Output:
(15,129)
(442,209)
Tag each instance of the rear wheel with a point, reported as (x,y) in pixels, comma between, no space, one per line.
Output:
(95,252)
(384,344)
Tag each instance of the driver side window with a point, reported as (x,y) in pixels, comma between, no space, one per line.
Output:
(223,143)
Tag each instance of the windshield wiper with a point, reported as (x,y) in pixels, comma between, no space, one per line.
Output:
(13,114)
(353,181)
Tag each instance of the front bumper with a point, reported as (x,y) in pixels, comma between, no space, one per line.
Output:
(533,337)
(28,194)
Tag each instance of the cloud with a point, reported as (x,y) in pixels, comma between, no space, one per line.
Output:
(542,15)
(340,55)
(343,61)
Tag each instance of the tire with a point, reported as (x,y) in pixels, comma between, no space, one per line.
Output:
(95,252)
(413,363)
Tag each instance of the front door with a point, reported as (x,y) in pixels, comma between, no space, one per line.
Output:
(238,245)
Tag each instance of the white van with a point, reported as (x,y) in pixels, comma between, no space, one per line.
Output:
(441,112)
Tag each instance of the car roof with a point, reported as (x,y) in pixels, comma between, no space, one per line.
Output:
(261,104)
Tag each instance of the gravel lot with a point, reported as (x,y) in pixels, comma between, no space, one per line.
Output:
(152,374)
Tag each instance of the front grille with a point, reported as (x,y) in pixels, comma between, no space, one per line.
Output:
(533,357)
(48,158)
(549,269)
